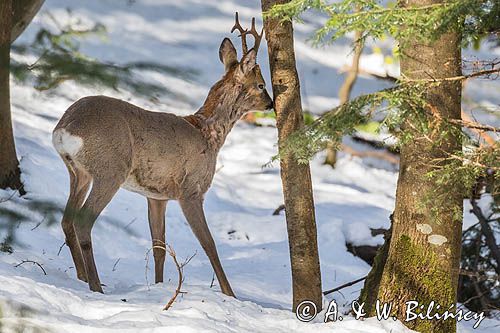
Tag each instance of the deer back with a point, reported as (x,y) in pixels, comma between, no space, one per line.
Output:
(159,155)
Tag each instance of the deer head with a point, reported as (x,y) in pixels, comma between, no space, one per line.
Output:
(242,88)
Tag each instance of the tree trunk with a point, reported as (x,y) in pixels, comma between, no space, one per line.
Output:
(424,252)
(368,294)
(9,166)
(345,92)
(296,178)
(23,13)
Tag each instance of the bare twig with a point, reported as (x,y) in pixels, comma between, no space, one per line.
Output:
(60,248)
(213,280)
(146,267)
(279,209)
(348,284)
(474,125)
(344,286)
(456,78)
(180,268)
(39,223)
(116,263)
(485,136)
(34,263)
(2,200)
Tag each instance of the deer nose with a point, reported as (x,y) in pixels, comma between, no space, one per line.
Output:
(270,106)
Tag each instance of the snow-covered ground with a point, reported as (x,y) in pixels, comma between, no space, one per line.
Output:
(252,243)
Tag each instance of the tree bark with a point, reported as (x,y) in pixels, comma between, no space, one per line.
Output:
(9,165)
(424,253)
(368,294)
(296,178)
(23,13)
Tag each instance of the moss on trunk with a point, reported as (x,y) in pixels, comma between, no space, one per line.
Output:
(423,258)
(370,289)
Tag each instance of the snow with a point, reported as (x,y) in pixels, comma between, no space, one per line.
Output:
(252,243)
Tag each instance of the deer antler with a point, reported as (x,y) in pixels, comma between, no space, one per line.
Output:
(244,32)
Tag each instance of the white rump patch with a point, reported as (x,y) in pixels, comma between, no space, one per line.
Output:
(66,143)
(424,228)
(437,239)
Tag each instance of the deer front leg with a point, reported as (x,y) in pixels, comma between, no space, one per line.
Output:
(101,194)
(193,211)
(156,215)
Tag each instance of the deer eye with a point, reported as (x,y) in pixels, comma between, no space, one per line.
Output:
(261,86)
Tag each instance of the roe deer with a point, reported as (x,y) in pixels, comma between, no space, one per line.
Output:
(111,144)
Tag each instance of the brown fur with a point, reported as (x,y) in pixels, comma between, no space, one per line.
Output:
(159,155)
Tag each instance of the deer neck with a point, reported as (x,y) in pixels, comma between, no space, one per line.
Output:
(214,122)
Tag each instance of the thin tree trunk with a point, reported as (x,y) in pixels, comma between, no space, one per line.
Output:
(424,252)
(352,74)
(345,91)
(296,178)
(23,13)
(9,165)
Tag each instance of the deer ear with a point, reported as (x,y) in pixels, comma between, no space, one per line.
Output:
(227,54)
(248,62)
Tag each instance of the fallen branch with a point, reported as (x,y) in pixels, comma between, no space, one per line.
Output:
(279,209)
(34,263)
(116,263)
(180,269)
(343,286)
(60,248)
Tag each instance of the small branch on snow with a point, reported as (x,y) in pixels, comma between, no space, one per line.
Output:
(60,248)
(180,270)
(343,286)
(213,280)
(279,209)
(34,263)
(116,263)
(2,200)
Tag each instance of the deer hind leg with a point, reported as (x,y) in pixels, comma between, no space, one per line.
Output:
(193,211)
(103,190)
(156,215)
(79,186)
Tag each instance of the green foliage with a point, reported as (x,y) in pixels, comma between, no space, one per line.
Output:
(372,127)
(346,118)
(474,18)
(60,59)
(404,108)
